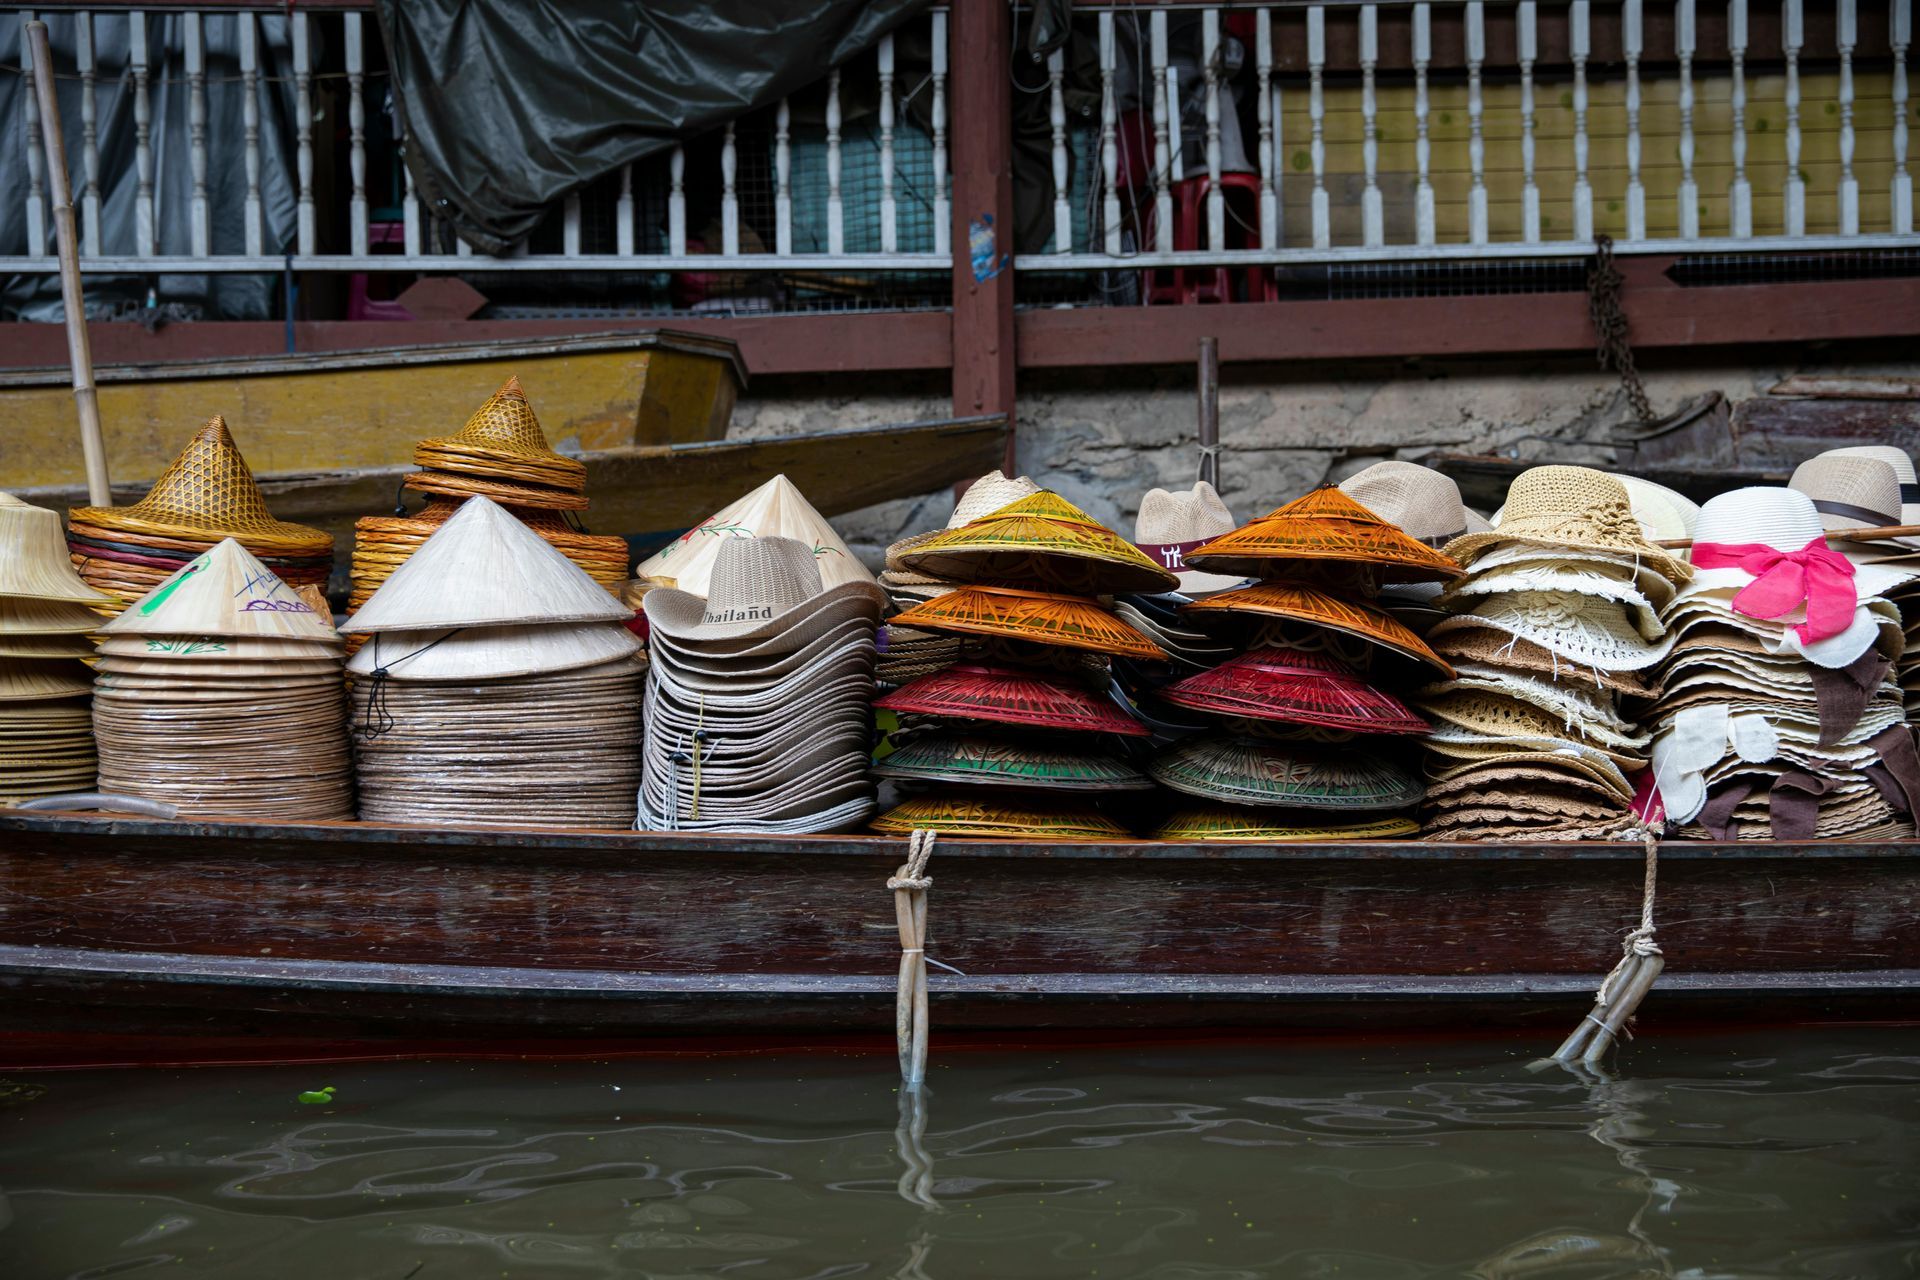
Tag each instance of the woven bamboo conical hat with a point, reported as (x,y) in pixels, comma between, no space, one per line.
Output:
(54,646)
(23,679)
(492,653)
(23,616)
(223,592)
(503,438)
(775,509)
(1325,527)
(188,650)
(483,568)
(1043,540)
(33,557)
(208,493)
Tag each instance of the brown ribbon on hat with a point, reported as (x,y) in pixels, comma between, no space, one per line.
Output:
(1442,539)
(1717,814)
(1793,806)
(1171,555)
(1847,511)
(1896,775)
(1843,693)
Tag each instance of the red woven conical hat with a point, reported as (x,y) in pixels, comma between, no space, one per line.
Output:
(1298,687)
(1324,527)
(1041,617)
(1304,604)
(1004,695)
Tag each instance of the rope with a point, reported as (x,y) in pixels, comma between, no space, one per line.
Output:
(379,720)
(1627,984)
(909,885)
(1208,453)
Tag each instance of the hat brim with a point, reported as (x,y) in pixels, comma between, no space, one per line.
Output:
(681,615)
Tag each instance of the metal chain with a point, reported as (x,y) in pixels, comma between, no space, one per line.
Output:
(1604,283)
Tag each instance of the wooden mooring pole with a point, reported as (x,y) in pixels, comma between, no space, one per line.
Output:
(1210,411)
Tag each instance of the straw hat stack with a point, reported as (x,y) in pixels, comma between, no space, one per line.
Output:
(777,509)
(46,611)
(1777,715)
(1426,506)
(499,685)
(1301,700)
(1022,740)
(219,692)
(1558,615)
(205,495)
(758,705)
(501,454)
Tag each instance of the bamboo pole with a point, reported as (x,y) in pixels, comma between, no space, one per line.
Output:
(73,301)
(1880,534)
(1210,411)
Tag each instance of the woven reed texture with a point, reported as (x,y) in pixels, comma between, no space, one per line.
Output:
(46,748)
(1424,503)
(1007,695)
(1323,609)
(503,438)
(33,558)
(1299,688)
(979,759)
(508,492)
(1323,526)
(1242,770)
(1038,617)
(1043,541)
(1202,823)
(1574,508)
(999,818)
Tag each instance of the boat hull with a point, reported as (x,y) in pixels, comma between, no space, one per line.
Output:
(363,932)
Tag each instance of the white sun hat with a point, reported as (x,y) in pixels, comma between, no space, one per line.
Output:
(1585,630)
(1562,576)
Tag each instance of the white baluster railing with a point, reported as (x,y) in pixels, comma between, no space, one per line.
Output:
(1264,109)
(252,209)
(1899,36)
(1425,216)
(89,136)
(357,134)
(1373,210)
(1632,45)
(1580,48)
(1109,140)
(1317,114)
(36,155)
(1162,150)
(1687,198)
(1057,124)
(889,208)
(303,127)
(1527,38)
(1792,36)
(1846,36)
(1739,190)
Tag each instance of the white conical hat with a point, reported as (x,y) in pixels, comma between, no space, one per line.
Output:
(222,592)
(483,568)
(775,509)
(33,556)
(493,653)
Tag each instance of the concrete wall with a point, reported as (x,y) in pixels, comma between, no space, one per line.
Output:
(1104,437)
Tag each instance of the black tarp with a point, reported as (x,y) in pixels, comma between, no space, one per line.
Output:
(512,104)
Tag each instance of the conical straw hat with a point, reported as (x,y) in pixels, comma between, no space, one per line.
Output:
(492,653)
(1006,695)
(1043,541)
(1325,527)
(1000,817)
(188,650)
(38,646)
(22,679)
(483,568)
(976,759)
(1037,616)
(33,557)
(1299,776)
(1271,826)
(224,592)
(503,430)
(775,509)
(1304,604)
(208,493)
(21,615)
(983,497)
(1297,687)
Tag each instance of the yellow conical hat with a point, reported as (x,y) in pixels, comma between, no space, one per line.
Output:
(223,592)
(1043,540)
(33,557)
(503,438)
(208,493)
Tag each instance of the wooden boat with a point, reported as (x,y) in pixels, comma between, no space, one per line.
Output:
(340,411)
(654,492)
(359,932)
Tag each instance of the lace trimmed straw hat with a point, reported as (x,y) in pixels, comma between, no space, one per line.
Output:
(1323,528)
(1574,508)
(983,497)
(34,567)
(760,588)
(1043,540)
(1171,524)
(1564,577)
(1423,502)
(1584,630)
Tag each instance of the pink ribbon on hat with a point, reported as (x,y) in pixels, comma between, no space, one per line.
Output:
(1815,575)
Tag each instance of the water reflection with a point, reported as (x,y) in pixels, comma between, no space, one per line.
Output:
(1713,1158)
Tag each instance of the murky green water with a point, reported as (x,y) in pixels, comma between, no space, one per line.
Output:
(1793,1153)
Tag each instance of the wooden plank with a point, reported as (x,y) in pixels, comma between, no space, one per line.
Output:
(982,347)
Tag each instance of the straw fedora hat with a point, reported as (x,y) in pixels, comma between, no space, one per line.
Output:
(1209,822)
(492,653)
(1902,463)
(503,438)
(33,558)
(983,497)
(1570,507)
(1325,528)
(483,568)
(759,588)
(1425,503)
(775,509)
(209,493)
(223,592)
(1852,491)
(1171,524)
(1042,540)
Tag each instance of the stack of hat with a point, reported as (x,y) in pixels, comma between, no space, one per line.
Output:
(1777,714)
(501,454)
(46,735)
(1029,575)
(1298,699)
(1425,505)
(1168,526)
(777,509)
(1559,614)
(219,692)
(499,685)
(758,705)
(207,494)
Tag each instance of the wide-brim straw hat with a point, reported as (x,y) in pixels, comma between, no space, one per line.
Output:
(1901,462)
(999,817)
(1425,504)
(492,653)
(1038,617)
(1497,714)
(166,669)
(1243,770)
(54,646)
(1449,760)
(1663,513)
(1044,541)
(1574,508)
(755,663)
(983,497)
(33,558)
(1584,630)
(1561,577)
(761,588)
(1325,529)
(209,493)
(1297,687)
(1204,823)
(1466,640)
(503,437)
(223,592)
(1874,624)
(483,568)
(1171,524)
(1007,695)
(1580,712)
(191,650)
(1646,579)
(1322,609)
(777,509)
(977,759)
(1545,737)
(21,616)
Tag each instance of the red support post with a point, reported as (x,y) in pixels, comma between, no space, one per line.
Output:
(982,108)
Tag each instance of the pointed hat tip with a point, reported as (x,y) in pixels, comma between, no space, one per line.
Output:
(512,387)
(215,429)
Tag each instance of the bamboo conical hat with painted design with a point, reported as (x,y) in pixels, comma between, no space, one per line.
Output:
(1042,540)
(504,439)
(776,509)
(205,494)
(33,557)
(223,592)
(1325,527)
(483,568)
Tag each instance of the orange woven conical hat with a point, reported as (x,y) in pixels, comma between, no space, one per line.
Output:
(1037,616)
(1324,527)
(223,592)
(1304,604)
(1043,540)
(503,438)
(206,494)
